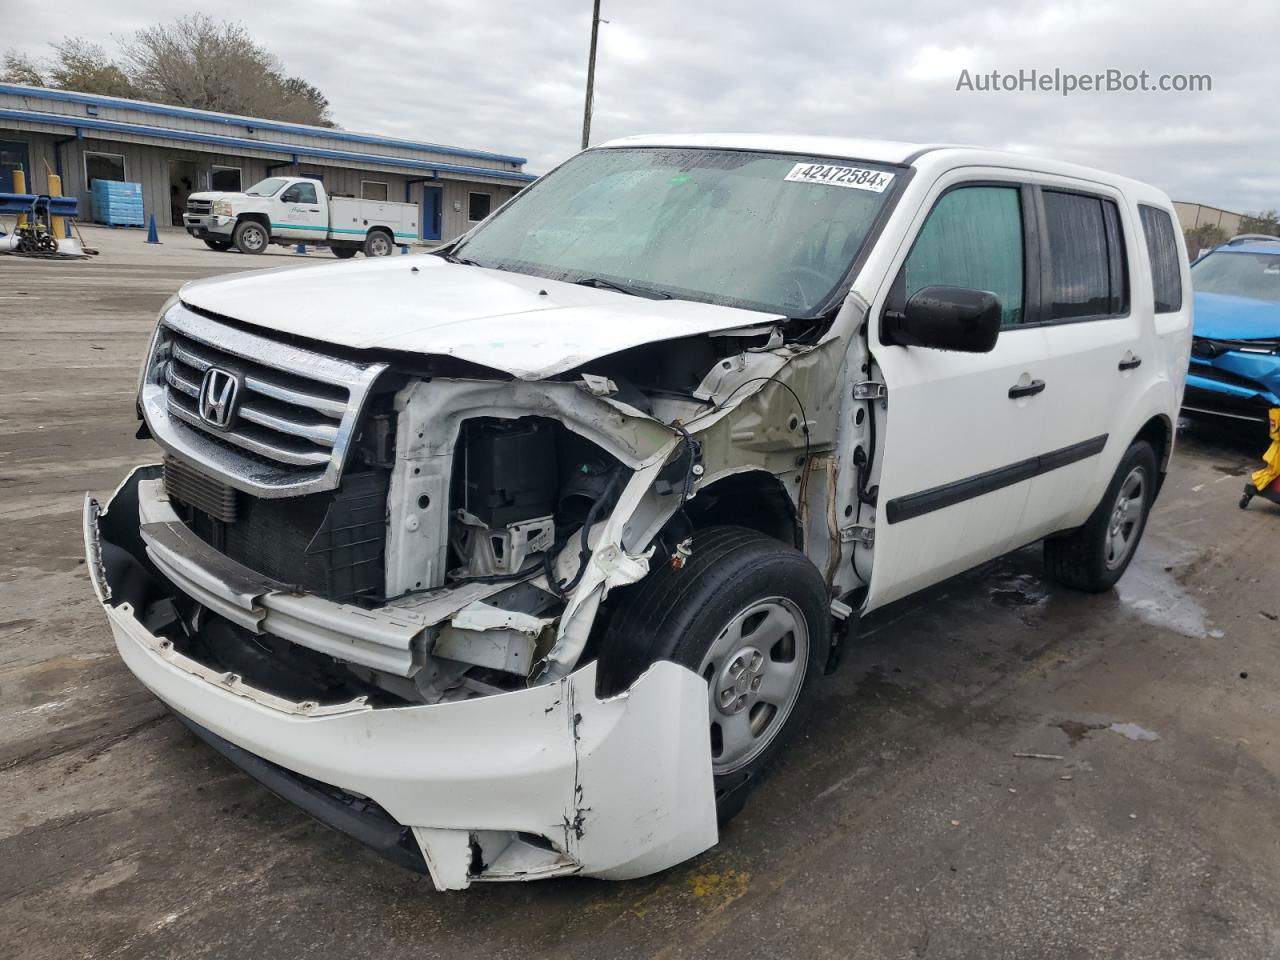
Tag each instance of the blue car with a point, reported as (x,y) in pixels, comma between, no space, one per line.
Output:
(1235,349)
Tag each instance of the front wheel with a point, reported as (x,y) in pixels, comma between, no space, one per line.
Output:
(344,253)
(378,244)
(219,245)
(1096,555)
(250,237)
(749,614)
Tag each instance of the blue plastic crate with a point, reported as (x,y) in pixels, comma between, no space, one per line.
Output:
(117,203)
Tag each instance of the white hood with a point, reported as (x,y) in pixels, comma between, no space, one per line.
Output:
(525,326)
(217,195)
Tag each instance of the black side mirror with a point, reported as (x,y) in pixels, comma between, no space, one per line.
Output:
(290,196)
(945,318)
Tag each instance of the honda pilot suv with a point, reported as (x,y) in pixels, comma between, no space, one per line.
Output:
(522,559)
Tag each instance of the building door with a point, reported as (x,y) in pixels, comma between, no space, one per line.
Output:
(432,211)
(13,156)
(182,183)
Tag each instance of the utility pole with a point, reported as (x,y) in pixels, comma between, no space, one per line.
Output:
(591,75)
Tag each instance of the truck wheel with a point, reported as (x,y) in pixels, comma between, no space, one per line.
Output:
(1093,557)
(217,244)
(378,244)
(250,237)
(344,253)
(749,614)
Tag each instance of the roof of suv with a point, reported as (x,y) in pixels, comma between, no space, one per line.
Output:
(1271,247)
(876,151)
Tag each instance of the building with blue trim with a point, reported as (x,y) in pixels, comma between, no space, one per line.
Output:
(175,151)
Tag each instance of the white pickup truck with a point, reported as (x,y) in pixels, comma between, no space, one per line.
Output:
(289,210)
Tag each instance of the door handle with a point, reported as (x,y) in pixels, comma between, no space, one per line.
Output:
(1131,364)
(1025,389)
(314,209)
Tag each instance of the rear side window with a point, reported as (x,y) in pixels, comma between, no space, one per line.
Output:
(1162,252)
(1087,276)
(973,238)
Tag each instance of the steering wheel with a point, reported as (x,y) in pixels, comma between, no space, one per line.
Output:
(798,273)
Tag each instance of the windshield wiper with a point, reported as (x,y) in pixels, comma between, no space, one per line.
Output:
(601,284)
(454,258)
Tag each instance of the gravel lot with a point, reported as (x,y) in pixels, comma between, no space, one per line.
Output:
(901,824)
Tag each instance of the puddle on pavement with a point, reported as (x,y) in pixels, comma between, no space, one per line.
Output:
(1077,731)
(1234,469)
(1013,590)
(1152,592)
(1133,732)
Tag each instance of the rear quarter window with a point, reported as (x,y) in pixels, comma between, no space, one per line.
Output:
(1162,254)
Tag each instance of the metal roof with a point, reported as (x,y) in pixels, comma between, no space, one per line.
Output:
(253,123)
(265,146)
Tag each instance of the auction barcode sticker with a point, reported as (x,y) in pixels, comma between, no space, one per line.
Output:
(859,178)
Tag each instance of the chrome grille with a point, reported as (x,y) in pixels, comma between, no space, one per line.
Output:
(292,418)
(199,207)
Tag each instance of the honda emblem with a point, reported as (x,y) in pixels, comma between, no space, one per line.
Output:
(218,394)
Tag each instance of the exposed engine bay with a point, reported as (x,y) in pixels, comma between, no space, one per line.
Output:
(480,522)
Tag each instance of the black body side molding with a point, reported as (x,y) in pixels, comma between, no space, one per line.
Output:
(958,491)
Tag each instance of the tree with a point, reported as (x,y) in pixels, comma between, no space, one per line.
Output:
(195,61)
(306,99)
(78,64)
(19,68)
(207,64)
(1204,237)
(1266,221)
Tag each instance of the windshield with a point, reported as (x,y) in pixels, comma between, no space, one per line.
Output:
(1255,275)
(266,188)
(763,231)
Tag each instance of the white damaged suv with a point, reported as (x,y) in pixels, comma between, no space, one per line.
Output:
(521,559)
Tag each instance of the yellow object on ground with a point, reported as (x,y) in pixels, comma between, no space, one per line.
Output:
(20,186)
(57,225)
(1263,478)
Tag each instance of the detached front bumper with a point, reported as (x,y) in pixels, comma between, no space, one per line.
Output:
(541,782)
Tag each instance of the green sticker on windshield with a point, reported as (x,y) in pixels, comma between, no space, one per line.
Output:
(681,178)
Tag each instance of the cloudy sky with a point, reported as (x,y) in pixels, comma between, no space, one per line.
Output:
(509,76)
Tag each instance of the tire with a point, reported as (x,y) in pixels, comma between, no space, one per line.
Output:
(250,237)
(748,613)
(219,245)
(1095,556)
(378,243)
(344,253)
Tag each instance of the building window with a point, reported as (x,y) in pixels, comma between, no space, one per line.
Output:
(103,166)
(1162,251)
(373,190)
(225,178)
(478,206)
(13,156)
(1087,276)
